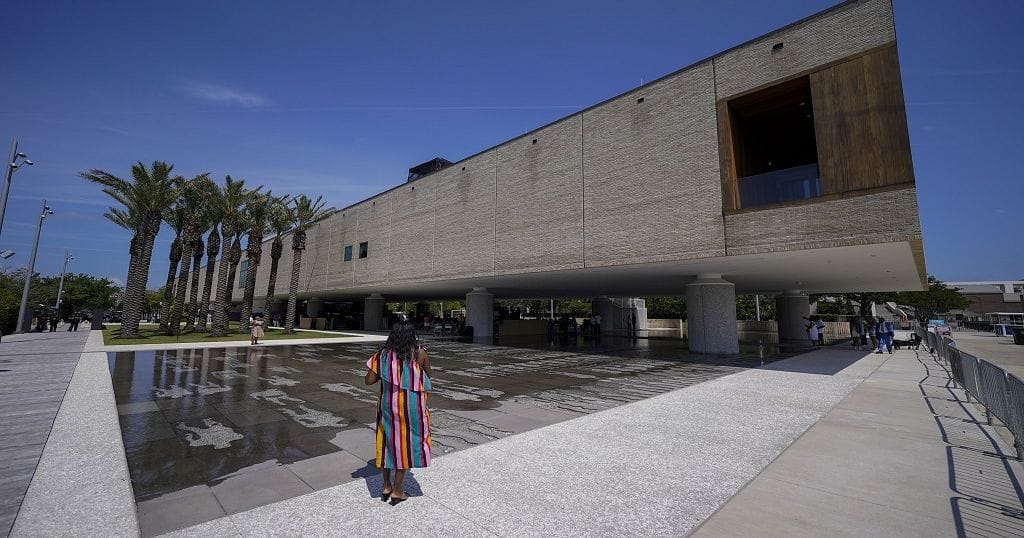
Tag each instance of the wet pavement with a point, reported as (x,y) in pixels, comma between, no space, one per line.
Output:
(218,431)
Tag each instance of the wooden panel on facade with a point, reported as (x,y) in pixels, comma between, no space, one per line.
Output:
(860,124)
(726,159)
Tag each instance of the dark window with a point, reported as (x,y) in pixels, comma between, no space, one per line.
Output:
(776,155)
(363,248)
(348,253)
(243,269)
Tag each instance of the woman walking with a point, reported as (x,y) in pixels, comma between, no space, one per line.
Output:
(403,421)
(256,329)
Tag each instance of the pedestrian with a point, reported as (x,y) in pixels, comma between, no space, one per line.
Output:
(403,421)
(857,332)
(256,328)
(595,324)
(884,333)
(821,330)
(54,320)
(812,330)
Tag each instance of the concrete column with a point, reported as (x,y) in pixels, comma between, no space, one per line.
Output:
(711,315)
(480,312)
(373,313)
(603,306)
(313,307)
(791,309)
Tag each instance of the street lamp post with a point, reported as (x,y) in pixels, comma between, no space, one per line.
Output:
(60,289)
(31,267)
(12,165)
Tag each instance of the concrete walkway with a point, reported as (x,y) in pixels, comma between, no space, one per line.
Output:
(660,466)
(902,455)
(832,442)
(35,369)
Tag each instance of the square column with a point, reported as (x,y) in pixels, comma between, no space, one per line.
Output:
(480,313)
(373,313)
(711,315)
(792,309)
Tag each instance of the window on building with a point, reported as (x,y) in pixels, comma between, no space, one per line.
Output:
(243,269)
(348,253)
(773,144)
(364,248)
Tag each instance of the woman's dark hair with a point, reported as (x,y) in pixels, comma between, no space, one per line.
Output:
(402,339)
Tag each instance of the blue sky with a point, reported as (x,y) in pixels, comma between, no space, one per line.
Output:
(341,98)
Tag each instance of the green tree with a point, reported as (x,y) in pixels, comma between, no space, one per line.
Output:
(143,199)
(937,299)
(746,307)
(307,213)
(666,307)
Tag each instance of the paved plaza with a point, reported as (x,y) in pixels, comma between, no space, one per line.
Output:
(611,439)
(216,431)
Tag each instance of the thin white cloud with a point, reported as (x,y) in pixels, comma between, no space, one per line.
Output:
(222,94)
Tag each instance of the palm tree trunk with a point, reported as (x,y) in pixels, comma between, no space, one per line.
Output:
(254,251)
(228,264)
(172,270)
(275,257)
(135,252)
(135,288)
(193,294)
(181,288)
(293,292)
(212,249)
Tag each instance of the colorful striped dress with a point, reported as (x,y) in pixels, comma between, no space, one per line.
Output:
(403,421)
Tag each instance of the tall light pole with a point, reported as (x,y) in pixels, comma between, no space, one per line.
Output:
(12,165)
(31,266)
(60,289)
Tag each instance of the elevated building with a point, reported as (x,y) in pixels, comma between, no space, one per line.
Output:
(781,165)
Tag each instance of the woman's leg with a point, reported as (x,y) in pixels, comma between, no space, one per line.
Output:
(387,482)
(397,490)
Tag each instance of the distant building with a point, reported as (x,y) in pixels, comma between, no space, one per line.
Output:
(988,298)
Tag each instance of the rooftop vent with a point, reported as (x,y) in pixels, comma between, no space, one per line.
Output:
(429,167)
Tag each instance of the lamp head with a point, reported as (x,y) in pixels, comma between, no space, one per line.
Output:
(28,162)
(21,154)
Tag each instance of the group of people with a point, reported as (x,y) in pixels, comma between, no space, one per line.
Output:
(876,332)
(865,332)
(568,326)
(44,322)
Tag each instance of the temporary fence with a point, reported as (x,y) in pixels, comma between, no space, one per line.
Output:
(1000,392)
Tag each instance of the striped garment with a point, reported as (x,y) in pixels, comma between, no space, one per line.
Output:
(403,421)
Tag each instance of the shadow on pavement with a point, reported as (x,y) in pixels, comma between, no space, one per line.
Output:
(989,500)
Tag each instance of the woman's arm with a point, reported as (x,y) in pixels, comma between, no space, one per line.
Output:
(371,377)
(423,360)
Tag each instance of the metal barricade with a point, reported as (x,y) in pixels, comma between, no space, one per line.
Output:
(1015,411)
(992,390)
(1001,393)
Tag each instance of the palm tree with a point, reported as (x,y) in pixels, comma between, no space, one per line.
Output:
(175,218)
(257,211)
(280,219)
(192,198)
(192,307)
(145,198)
(233,195)
(212,251)
(307,213)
